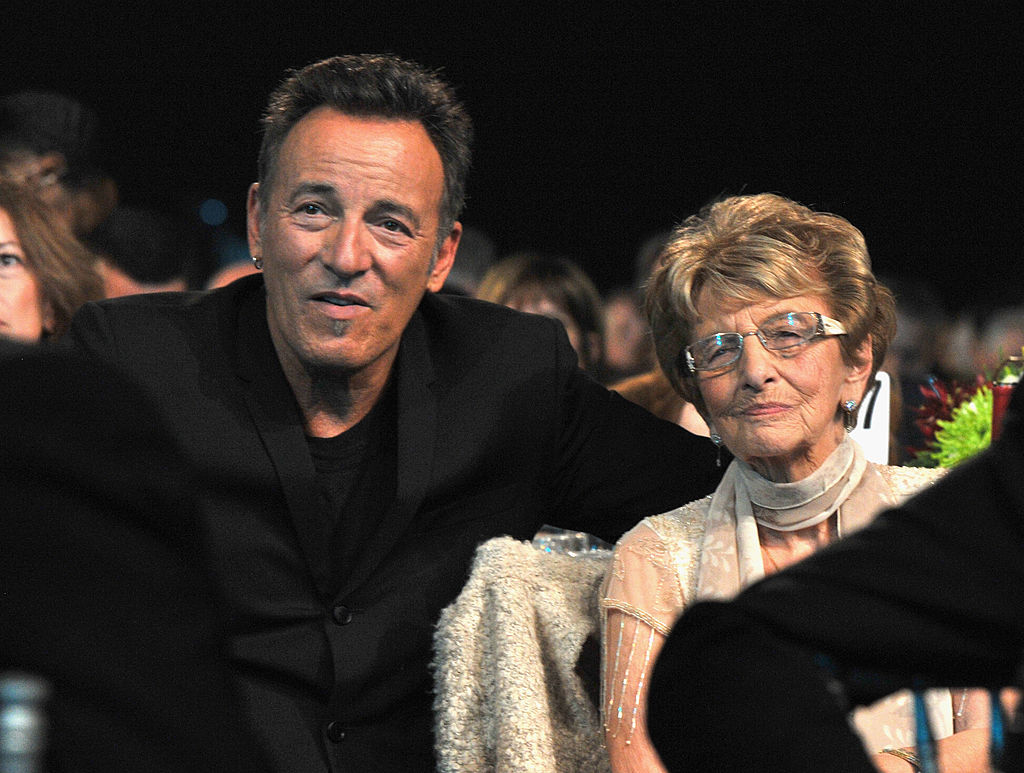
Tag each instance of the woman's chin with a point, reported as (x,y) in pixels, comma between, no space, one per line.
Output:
(768,448)
(774,459)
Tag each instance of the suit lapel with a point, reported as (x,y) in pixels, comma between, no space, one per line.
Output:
(416,427)
(276,415)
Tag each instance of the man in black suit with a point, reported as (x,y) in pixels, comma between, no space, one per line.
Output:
(102,595)
(397,428)
(931,594)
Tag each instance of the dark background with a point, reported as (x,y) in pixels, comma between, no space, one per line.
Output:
(597,128)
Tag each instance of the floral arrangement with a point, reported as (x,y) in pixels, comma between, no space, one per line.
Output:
(956,421)
(956,418)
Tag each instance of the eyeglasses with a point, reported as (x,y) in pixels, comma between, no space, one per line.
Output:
(720,351)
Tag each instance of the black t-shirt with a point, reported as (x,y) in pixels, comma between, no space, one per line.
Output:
(356,473)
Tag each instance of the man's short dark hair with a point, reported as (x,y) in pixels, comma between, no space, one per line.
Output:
(375,86)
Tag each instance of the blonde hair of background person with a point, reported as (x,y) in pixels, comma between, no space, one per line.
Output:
(555,287)
(739,264)
(42,250)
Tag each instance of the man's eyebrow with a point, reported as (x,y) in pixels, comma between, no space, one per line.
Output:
(388,206)
(312,188)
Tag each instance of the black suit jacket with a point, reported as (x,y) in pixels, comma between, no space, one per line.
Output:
(930,594)
(497,431)
(102,593)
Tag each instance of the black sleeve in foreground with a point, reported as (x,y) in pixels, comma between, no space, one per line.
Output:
(930,592)
(103,593)
(726,696)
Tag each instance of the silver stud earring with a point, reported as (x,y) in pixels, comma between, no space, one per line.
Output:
(849,408)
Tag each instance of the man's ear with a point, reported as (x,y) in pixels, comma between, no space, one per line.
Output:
(252,221)
(445,259)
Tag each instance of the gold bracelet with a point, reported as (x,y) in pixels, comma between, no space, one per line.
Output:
(903,754)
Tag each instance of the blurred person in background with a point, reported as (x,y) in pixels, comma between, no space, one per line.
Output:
(554,287)
(231,272)
(140,251)
(45,273)
(628,350)
(475,255)
(1002,336)
(915,358)
(51,143)
(630,363)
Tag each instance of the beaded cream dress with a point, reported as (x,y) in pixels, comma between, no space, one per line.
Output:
(709,549)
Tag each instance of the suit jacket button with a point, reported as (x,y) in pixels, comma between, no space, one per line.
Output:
(342,615)
(335,732)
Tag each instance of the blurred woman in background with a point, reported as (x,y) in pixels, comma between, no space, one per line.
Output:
(555,287)
(45,273)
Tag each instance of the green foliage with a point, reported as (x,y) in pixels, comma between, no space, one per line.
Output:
(965,433)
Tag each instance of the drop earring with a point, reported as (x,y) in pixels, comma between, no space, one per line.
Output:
(716,439)
(258,262)
(849,409)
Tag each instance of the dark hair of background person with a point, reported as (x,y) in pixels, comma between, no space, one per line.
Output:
(520,279)
(375,86)
(646,258)
(41,122)
(145,245)
(53,143)
(63,268)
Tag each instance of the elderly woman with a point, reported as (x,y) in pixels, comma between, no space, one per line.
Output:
(766,316)
(45,274)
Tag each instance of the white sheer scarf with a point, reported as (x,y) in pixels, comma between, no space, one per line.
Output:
(730,558)
(652,578)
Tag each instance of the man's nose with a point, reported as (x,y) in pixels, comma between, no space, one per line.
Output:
(349,251)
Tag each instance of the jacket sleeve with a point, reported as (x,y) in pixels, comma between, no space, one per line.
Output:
(617,463)
(91,335)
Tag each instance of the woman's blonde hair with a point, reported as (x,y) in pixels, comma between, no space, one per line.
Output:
(747,248)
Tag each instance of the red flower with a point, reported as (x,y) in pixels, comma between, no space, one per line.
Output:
(939,401)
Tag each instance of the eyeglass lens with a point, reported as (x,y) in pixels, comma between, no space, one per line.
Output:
(781,332)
